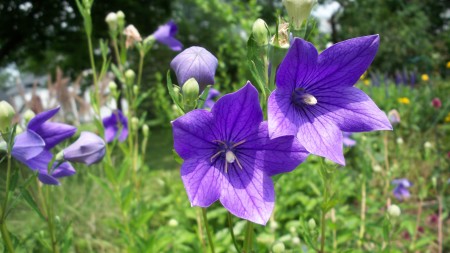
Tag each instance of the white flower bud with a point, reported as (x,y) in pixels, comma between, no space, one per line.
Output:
(111,20)
(400,141)
(145,130)
(428,145)
(298,10)
(129,77)
(394,211)
(173,223)
(135,122)
(28,115)
(260,32)
(135,89)
(312,224)
(112,86)
(6,115)
(377,168)
(278,247)
(296,240)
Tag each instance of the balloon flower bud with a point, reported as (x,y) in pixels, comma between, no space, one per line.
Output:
(394,211)
(88,149)
(190,93)
(260,32)
(298,10)
(312,224)
(135,123)
(135,89)
(129,77)
(145,130)
(28,115)
(112,86)
(120,19)
(111,20)
(6,115)
(279,247)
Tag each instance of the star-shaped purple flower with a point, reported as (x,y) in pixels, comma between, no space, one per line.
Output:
(165,34)
(115,123)
(401,191)
(315,99)
(228,156)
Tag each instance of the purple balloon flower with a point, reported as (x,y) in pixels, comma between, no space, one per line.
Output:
(401,191)
(165,34)
(315,99)
(348,142)
(88,149)
(115,123)
(27,145)
(211,98)
(228,156)
(195,62)
(51,132)
(41,163)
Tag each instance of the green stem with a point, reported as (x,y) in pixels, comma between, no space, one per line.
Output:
(230,227)
(323,172)
(248,242)
(3,228)
(51,220)
(116,52)
(208,231)
(363,213)
(94,74)
(141,66)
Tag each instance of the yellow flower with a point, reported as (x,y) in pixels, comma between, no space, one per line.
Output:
(425,78)
(447,118)
(448,64)
(404,100)
(366,82)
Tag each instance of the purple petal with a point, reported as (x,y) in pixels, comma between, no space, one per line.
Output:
(193,134)
(110,133)
(298,66)
(195,62)
(202,181)
(47,179)
(41,118)
(40,162)
(165,35)
(113,123)
(275,156)
(348,142)
(342,64)
(88,149)
(63,170)
(248,193)
(401,193)
(237,115)
(282,115)
(352,110)
(402,181)
(27,145)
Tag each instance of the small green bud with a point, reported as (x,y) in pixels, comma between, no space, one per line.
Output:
(120,19)
(111,20)
(190,92)
(260,32)
(28,115)
(296,240)
(145,130)
(278,247)
(173,223)
(377,168)
(400,141)
(312,224)
(129,77)
(112,86)
(135,122)
(394,211)
(135,89)
(298,10)
(428,145)
(6,115)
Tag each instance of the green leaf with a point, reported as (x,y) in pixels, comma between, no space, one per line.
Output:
(30,201)
(203,97)
(172,93)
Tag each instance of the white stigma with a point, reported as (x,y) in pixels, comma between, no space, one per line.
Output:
(309,99)
(230,157)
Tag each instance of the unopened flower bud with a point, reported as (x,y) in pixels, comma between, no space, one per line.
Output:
(278,247)
(129,77)
(400,141)
(135,89)
(394,211)
(377,168)
(132,34)
(6,115)
(427,145)
(111,20)
(190,91)
(298,10)
(120,18)
(296,240)
(112,86)
(145,130)
(260,32)
(135,123)
(28,115)
(173,223)
(312,224)
(88,149)
(436,103)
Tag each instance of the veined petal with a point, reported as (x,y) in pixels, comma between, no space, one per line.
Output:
(193,134)
(342,64)
(352,110)
(65,169)
(42,117)
(54,133)
(237,115)
(248,193)
(40,162)
(27,145)
(298,66)
(47,179)
(283,118)
(202,181)
(320,136)
(277,155)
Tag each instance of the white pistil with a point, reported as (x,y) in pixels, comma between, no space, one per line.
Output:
(309,99)
(230,157)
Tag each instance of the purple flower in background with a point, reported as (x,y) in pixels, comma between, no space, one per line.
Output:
(228,156)
(88,149)
(315,99)
(348,142)
(213,94)
(195,62)
(27,145)
(165,34)
(51,132)
(394,117)
(401,191)
(116,126)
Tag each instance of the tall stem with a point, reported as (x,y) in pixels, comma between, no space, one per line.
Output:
(230,227)
(208,231)
(248,243)
(323,173)
(3,228)
(440,220)
(141,66)
(363,213)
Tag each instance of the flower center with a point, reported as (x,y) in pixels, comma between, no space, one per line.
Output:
(300,97)
(229,149)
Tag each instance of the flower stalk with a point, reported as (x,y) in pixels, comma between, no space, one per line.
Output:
(4,230)
(230,227)
(208,231)
(248,242)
